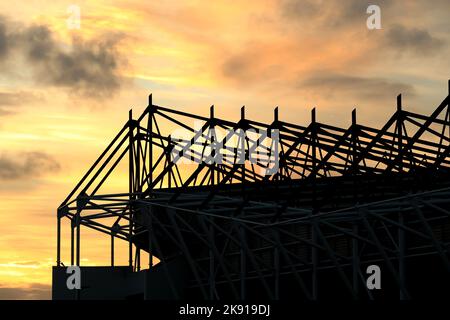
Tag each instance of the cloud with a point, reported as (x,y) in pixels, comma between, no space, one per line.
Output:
(259,62)
(28,263)
(239,66)
(300,9)
(35,291)
(375,89)
(3,40)
(15,98)
(10,101)
(414,40)
(329,14)
(5,111)
(26,165)
(89,68)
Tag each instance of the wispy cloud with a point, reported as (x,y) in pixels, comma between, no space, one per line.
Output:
(27,164)
(11,101)
(413,40)
(35,291)
(365,88)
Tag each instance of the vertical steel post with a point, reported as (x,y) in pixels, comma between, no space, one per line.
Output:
(130,187)
(354,165)
(244,137)
(150,130)
(212,144)
(400,132)
(78,237)
(314,253)
(150,173)
(212,281)
(137,179)
(401,232)
(58,241)
(72,243)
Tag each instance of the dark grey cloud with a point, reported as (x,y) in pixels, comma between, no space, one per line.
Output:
(361,87)
(89,68)
(355,11)
(26,165)
(32,292)
(330,13)
(333,16)
(413,40)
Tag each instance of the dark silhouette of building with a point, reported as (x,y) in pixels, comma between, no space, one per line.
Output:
(340,200)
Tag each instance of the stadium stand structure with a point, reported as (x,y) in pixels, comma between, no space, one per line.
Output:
(337,201)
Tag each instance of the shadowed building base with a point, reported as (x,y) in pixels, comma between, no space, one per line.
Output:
(119,283)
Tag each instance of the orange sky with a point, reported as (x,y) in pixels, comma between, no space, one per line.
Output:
(64,93)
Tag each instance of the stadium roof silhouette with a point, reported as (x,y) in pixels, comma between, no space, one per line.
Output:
(338,200)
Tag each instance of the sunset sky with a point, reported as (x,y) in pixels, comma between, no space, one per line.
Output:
(64,92)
